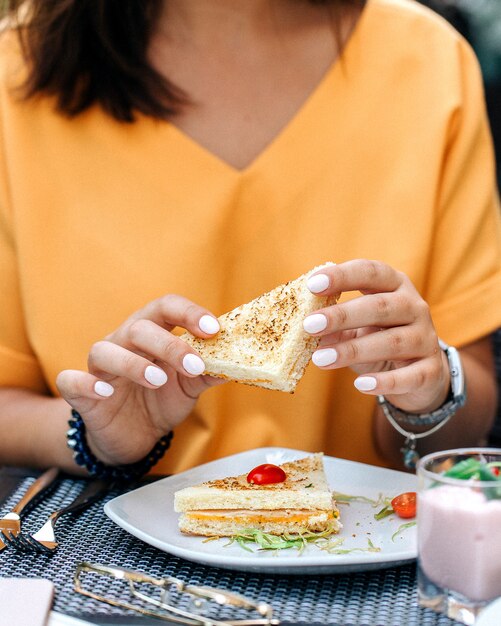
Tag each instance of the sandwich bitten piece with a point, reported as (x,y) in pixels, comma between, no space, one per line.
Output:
(263,342)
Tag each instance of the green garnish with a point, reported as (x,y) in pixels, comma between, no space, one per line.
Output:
(323,540)
(333,547)
(382,500)
(473,469)
(372,547)
(308,486)
(384,512)
(328,540)
(401,528)
(265,541)
(344,498)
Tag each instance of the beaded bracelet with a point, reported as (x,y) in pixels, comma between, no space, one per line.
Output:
(83,456)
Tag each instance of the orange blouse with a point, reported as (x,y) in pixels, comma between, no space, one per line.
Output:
(389,158)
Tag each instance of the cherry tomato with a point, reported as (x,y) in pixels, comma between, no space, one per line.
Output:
(404,504)
(266,474)
(495,471)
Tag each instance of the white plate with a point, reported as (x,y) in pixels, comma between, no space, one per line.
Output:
(148,513)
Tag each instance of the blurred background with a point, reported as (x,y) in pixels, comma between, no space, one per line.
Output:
(480,22)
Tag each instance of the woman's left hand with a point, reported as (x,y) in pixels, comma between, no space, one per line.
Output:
(386,334)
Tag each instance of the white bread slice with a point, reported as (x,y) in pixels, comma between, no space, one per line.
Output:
(305,488)
(226,506)
(263,342)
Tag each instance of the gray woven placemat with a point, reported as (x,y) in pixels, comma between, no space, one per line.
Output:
(378,598)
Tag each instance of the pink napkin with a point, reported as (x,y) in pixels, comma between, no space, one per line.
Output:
(25,601)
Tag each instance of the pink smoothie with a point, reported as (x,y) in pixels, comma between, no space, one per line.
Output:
(459,540)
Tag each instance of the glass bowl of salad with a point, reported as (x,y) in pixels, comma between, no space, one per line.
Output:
(459,531)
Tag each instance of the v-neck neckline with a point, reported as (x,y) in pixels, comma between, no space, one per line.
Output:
(302,113)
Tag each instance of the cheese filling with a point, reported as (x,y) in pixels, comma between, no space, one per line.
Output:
(249,517)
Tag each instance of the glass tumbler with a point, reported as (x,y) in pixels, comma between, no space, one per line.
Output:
(459,531)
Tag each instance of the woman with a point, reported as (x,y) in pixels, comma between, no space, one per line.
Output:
(215,150)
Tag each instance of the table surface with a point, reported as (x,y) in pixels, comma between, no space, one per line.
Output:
(374,598)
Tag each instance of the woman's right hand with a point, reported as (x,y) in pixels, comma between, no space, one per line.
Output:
(142,380)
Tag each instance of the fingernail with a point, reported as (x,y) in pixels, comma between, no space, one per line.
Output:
(155,376)
(318,283)
(209,324)
(365,383)
(103,389)
(193,364)
(315,323)
(326,356)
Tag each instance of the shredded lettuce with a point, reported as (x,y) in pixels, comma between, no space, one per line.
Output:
(344,498)
(384,512)
(266,541)
(333,546)
(401,529)
(326,541)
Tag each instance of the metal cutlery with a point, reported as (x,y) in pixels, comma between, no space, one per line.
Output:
(44,540)
(10,525)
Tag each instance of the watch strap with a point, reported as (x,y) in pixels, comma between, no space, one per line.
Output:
(454,401)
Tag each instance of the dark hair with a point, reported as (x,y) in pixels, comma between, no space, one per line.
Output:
(84,52)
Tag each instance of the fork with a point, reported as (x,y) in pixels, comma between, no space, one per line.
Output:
(10,525)
(44,540)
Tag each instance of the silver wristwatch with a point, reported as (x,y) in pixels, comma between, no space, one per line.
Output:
(455,400)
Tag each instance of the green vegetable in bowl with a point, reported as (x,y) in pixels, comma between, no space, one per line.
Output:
(474,469)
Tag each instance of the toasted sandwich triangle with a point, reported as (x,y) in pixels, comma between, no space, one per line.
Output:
(231,505)
(263,342)
(305,487)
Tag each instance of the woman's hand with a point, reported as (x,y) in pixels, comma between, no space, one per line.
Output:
(142,380)
(386,335)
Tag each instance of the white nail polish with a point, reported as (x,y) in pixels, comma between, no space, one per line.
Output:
(193,364)
(155,376)
(103,389)
(365,383)
(208,324)
(318,283)
(315,323)
(325,356)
